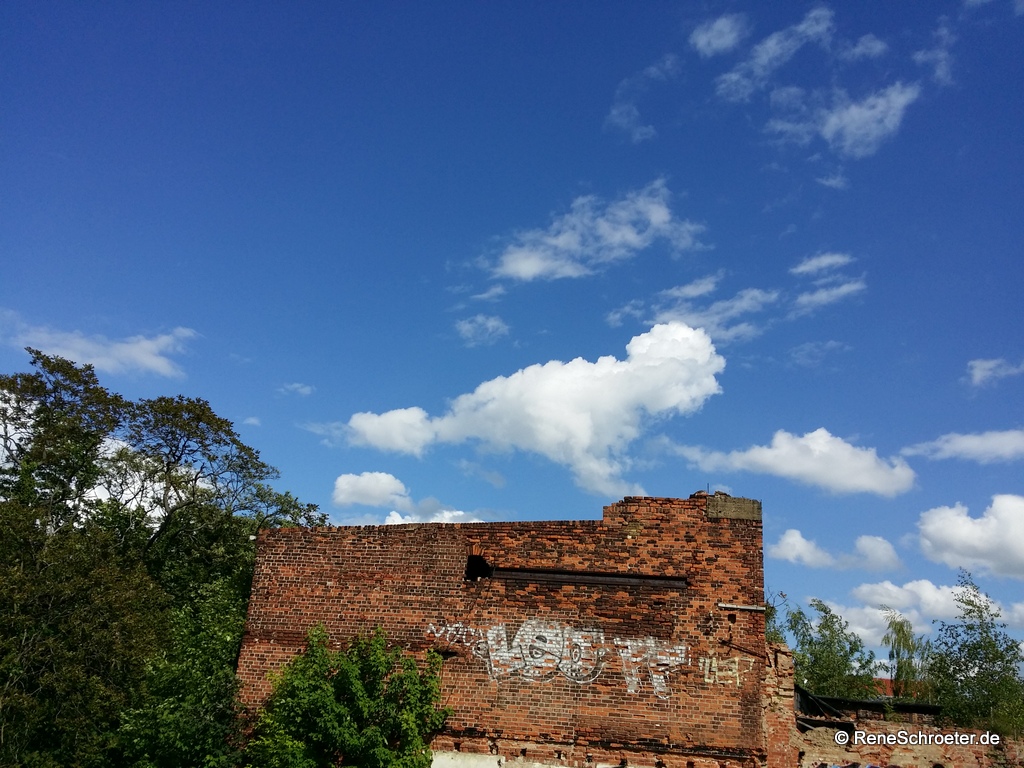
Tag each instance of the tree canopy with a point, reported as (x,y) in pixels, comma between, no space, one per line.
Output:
(125,569)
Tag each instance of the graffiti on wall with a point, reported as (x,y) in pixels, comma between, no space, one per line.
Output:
(543,649)
(727,671)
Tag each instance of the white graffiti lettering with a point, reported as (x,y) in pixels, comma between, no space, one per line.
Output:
(654,655)
(729,671)
(542,649)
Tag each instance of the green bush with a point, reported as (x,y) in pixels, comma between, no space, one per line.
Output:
(368,706)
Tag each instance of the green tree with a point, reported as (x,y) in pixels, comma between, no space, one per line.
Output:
(368,706)
(188,715)
(908,658)
(975,666)
(79,622)
(831,660)
(119,520)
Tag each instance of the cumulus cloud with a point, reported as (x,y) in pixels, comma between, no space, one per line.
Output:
(794,548)
(913,599)
(579,414)
(594,235)
(983,447)
(135,354)
(817,458)
(773,52)
(435,516)
(993,542)
(371,489)
(867,47)
(625,115)
(872,553)
(481,329)
(720,35)
(982,372)
(857,129)
(297,388)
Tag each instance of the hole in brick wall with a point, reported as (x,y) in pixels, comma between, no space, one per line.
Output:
(458,746)
(659,763)
(448,654)
(732,618)
(478,568)
(623,763)
(522,752)
(689,764)
(590,758)
(558,754)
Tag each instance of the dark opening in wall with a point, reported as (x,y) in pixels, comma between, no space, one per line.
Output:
(478,568)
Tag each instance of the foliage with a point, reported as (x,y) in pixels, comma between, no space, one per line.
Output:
(80,621)
(908,658)
(188,715)
(975,666)
(119,520)
(831,660)
(773,629)
(368,706)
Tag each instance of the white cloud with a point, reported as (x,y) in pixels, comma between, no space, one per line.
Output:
(592,236)
(774,51)
(811,354)
(721,319)
(721,35)
(857,129)
(993,542)
(481,329)
(983,447)
(493,293)
(852,129)
(141,354)
(794,548)
(812,300)
(913,599)
(989,371)
(403,430)
(835,181)
(297,388)
(813,265)
(872,553)
(252,421)
(816,458)
(624,114)
(939,58)
(371,489)
(868,47)
(579,414)
(436,516)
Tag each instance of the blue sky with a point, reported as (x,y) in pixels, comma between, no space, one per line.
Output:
(515,261)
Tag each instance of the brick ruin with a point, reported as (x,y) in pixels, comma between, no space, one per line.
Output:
(637,639)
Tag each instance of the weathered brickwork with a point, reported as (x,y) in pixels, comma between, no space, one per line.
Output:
(637,637)
(634,640)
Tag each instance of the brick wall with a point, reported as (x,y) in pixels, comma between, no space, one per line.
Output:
(590,642)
